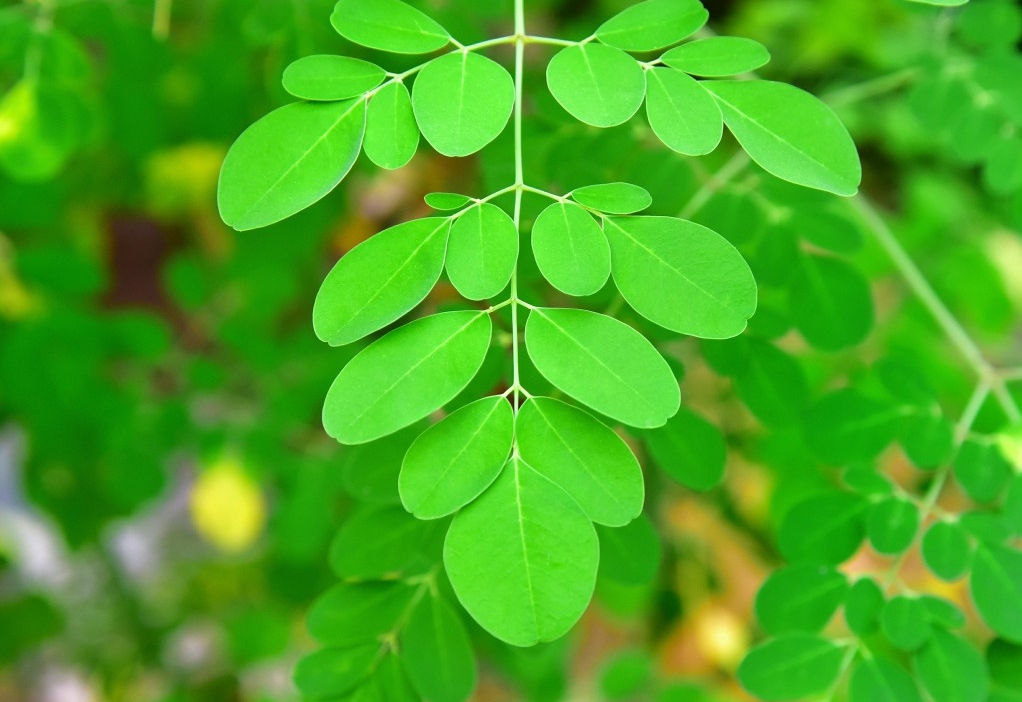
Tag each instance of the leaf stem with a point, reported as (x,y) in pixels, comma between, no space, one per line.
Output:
(950,325)
(161,19)
(714,183)
(870,88)
(520,38)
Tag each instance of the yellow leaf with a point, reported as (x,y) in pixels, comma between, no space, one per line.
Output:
(227,506)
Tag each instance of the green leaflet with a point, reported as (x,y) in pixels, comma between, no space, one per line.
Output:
(288,160)
(331,672)
(483,251)
(447,201)
(523,558)
(369,471)
(942,612)
(462,101)
(388,684)
(891,525)
(627,674)
(905,622)
(392,137)
(881,680)
(613,198)
(946,550)
(996,586)
(772,384)
(604,364)
(846,426)
(388,25)
(326,77)
(951,670)
(928,440)
(351,614)
(982,470)
(799,598)
(570,249)
(653,24)
(690,449)
(383,542)
(380,280)
(437,653)
(596,84)
(863,605)
(456,459)
(631,554)
(790,133)
(681,275)
(790,667)
(830,302)
(582,456)
(826,529)
(681,113)
(406,375)
(716,57)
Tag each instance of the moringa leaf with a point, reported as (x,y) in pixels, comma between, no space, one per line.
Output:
(716,57)
(523,558)
(891,525)
(392,137)
(388,25)
(690,449)
(437,653)
(790,667)
(404,376)
(331,672)
(881,680)
(996,586)
(583,456)
(599,85)
(462,101)
(326,77)
(288,160)
(681,113)
(946,550)
(353,613)
(613,198)
(653,24)
(380,280)
(456,459)
(800,598)
(951,669)
(790,133)
(604,364)
(681,275)
(482,252)
(570,249)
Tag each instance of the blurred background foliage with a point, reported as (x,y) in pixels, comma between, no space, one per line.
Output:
(167,494)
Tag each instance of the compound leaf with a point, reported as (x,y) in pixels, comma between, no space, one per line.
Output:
(681,275)
(326,77)
(456,459)
(583,457)
(522,558)
(604,364)
(406,375)
(681,113)
(288,160)
(570,249)
(483,251)
(388,25)
(599,85)
(790,133)
(462,101)
(380,280)
(437,653)
(392,136)
(716,57)
(653,24)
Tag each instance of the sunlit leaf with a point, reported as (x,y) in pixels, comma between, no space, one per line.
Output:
(326,77)
(716,57)
(596,84)
(482,252)
(388,25)
(570,249)
(288,160)
(653,24)
(392,137)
